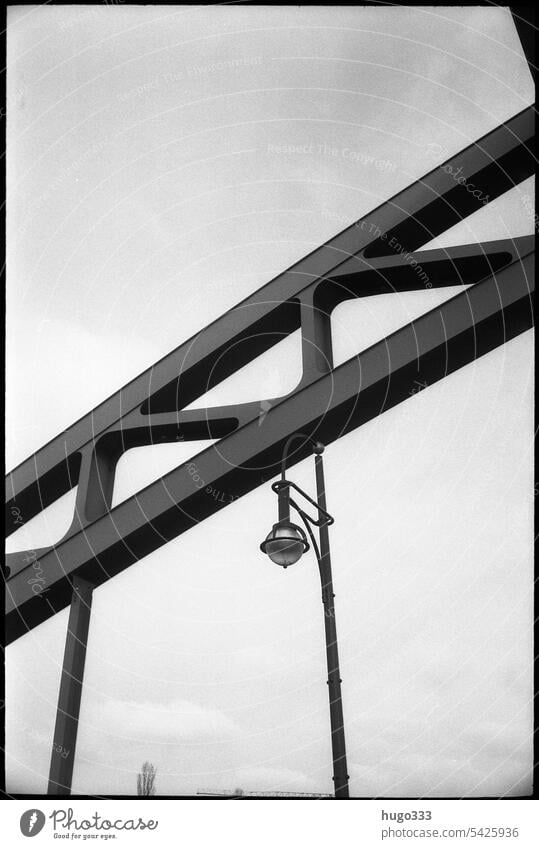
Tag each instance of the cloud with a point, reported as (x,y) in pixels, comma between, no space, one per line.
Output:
(176,722)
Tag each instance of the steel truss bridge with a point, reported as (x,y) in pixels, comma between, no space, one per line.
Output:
(376,255)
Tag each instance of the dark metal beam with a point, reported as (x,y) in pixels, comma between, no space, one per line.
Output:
(69,699)
(524,19)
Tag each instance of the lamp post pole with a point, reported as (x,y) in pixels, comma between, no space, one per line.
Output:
(284,545)
(338,745)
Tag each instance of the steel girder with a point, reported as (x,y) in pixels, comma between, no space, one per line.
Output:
(376,255)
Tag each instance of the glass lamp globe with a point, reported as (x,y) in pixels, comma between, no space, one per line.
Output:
(285,544)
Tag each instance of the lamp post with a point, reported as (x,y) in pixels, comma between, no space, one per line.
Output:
(284,545)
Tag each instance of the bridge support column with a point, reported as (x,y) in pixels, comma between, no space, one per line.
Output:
(67,716)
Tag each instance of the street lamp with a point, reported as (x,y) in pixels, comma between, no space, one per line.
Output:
(284,545)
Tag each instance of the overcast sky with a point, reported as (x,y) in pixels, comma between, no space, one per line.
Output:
(146,198)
